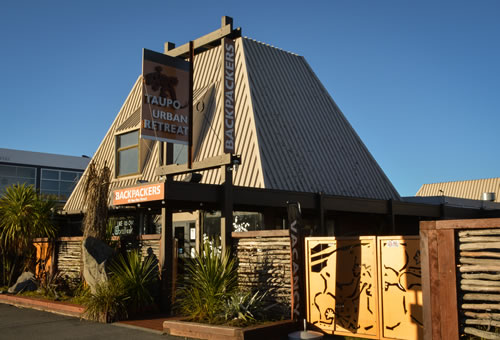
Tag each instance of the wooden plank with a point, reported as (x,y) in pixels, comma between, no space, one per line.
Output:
(468,239)
(484,262)
(430,281)
(479,297)
(208,163)
(480,232)
(208,39)
(482,334)
(480,246)
(479,254)
(469,224)
(447,284)
(475,268)
(263,233)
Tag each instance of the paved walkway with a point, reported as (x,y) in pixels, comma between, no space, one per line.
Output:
(23,323)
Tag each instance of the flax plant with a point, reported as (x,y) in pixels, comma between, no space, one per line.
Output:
(137,278)
(211,280)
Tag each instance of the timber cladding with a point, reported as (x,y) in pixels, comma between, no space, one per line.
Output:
(264,263)
(461,278)
(68,252)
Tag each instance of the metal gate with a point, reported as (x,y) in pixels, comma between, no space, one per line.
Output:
(365,286)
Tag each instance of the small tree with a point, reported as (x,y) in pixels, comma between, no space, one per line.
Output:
(24,215)
(96,201)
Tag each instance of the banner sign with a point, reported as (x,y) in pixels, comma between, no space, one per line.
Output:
(139,194)
(228,50)
(297,261)
(165,109)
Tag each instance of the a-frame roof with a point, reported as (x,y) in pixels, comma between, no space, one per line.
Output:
(289,132)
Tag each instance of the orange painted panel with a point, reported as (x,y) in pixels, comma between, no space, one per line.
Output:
(342,285)
(401,287)
(43,257)
(138,194)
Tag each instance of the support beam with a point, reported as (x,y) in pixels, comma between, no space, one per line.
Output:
(207,41)
(226,221)
(206,164)
(166,259)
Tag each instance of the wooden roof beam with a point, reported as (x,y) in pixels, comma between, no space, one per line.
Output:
(205,42)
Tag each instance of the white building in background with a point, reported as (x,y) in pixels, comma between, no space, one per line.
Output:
(50,174)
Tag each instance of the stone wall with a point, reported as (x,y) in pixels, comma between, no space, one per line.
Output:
(264,263)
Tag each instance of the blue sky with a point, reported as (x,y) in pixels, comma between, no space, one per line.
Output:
(418,80)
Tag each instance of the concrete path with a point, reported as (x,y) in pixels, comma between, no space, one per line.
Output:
(21,323)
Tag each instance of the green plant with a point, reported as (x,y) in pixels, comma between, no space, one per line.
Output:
(24,215)
(136,276)
(107,304)
(244,307)
(49,285)
(211,278)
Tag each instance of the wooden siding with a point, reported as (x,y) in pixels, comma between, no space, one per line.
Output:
(264,264)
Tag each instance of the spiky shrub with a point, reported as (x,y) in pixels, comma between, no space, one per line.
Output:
(107,304)
(137,278)
(96,189)
(243,308)
(211,278)
(24,215)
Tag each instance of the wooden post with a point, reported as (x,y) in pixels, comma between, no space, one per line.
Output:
(439,290)
(166,260)
(226,220)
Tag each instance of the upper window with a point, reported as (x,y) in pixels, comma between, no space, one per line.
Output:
(16,175)
(127,153)
(59,183)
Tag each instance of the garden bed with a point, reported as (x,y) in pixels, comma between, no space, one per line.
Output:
(58,307)
(270,330)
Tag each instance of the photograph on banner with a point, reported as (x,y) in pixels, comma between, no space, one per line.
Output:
(165,105)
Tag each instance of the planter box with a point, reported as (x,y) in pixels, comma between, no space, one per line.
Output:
(272,330)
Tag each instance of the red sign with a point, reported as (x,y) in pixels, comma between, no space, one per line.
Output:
(229,53)
(165,98)
(139,194)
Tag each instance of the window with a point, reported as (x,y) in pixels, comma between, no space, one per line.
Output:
(59,183)
(180,154)
(127,153)
(16,175)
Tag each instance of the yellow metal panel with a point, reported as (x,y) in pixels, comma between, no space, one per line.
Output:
(401,287)
(342,285)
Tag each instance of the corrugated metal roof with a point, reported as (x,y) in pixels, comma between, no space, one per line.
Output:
(305,142)
(289,132)
(472,189)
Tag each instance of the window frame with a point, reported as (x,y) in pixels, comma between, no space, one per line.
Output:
(129,147)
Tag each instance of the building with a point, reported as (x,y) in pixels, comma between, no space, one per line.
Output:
(470,189)
(50,174)
(289,133)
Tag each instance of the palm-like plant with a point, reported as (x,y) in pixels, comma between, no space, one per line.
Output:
(211,279)
(136,277)
(24,215)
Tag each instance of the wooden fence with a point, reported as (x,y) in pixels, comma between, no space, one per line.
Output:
(264,263)
(464,301)
(65,255)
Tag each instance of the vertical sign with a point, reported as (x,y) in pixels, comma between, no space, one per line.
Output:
(297,260)
(228,50)
(165,104)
